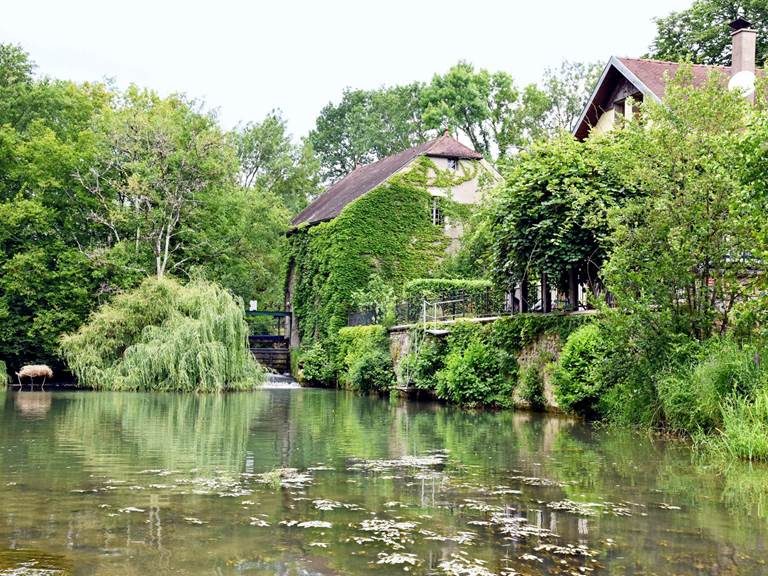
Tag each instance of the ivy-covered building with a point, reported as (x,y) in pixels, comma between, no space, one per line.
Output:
(394,218)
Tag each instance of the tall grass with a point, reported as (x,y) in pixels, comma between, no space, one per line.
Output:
(696,396)
(744,433)
(165,336)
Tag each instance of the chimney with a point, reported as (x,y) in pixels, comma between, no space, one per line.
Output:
(744,46)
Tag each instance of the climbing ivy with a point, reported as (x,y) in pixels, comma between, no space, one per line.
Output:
(387,232)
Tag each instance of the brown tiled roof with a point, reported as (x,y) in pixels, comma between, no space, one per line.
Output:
(365,178)
(654,73)
(649,77)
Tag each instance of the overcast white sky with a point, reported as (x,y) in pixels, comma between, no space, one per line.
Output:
(245,58)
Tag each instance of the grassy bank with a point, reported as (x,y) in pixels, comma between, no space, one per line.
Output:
(714,391)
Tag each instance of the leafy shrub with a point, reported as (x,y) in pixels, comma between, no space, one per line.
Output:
(165,336)
(420,367)
(637,352)
(744,432)
(372,372)
(692,395)
(577,378)
(363,358)
(531,382)
(473,375)
(316,366)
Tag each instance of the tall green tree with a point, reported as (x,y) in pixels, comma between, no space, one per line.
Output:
(157,159)
(568,88)
(48,282)
(271,162)
(551,214)
(100,189)
(701,33)
(686,248)
(367,125)
(488,108)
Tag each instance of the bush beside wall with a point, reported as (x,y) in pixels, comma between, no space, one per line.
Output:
(577,378)
(363,359)
(476,363)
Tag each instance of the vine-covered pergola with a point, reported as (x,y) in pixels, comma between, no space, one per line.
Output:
(549,222)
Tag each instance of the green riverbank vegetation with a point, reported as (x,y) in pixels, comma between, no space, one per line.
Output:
(663,221)
(102,188)
(666,215)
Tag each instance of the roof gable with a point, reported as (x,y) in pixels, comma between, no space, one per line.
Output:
(365,178)
(649,77)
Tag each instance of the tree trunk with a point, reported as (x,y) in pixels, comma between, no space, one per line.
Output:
(573,290)
(524,294)
(546,295)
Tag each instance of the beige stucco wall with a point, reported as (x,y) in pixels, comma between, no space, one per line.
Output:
(469,192)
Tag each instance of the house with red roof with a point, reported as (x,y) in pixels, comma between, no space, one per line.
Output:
(465,171)
(445,152)
(631,80)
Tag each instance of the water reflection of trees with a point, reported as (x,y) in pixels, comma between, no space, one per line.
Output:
(116,432)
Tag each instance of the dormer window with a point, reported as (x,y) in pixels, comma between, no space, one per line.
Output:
(453,163)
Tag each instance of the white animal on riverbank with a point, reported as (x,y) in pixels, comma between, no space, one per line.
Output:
(33,371)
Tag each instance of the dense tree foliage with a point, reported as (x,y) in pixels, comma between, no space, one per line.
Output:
(568,88)
(271,163)
(686,248)
(165,336)
(367,125)
(487,108)
(100,189)
(550,216)
(701,34)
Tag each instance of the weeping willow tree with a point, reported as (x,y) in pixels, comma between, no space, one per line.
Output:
(165,336)
(3,373)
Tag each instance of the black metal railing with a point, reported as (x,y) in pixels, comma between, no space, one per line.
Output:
(438,308)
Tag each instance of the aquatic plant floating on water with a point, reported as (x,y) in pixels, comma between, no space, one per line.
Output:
(458,565)
(397,558)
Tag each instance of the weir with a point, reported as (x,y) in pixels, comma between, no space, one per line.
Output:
(269,339)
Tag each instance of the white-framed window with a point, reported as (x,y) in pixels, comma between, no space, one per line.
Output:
(438,219)
(453,163)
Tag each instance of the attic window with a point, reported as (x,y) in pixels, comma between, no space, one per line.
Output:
(453,163)
(438,218)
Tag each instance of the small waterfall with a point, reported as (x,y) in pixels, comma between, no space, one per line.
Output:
(279,381)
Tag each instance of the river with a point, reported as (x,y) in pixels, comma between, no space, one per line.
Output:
(315,482)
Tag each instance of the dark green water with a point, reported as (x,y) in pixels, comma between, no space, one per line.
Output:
(113,483)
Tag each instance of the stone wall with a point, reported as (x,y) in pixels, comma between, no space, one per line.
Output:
(542,352)
(548,347)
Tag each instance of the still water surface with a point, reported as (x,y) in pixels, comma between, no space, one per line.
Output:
(120,483)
